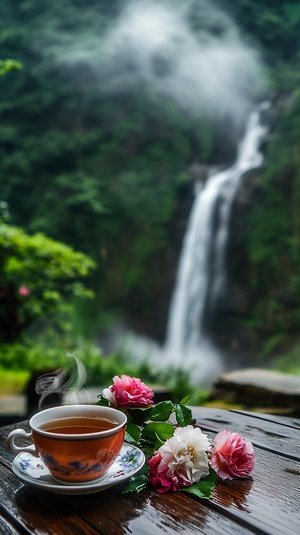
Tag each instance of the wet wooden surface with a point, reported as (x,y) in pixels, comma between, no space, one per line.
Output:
(268,503)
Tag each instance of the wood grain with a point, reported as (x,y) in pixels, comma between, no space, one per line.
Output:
(266,504)
(6,528)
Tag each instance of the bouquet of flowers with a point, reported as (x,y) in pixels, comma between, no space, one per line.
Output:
(179,455)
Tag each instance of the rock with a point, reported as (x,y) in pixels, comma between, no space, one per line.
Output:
(255,387)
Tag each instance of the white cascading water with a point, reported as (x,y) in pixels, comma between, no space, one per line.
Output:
(199,280)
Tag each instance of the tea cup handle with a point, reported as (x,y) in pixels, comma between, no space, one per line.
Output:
(20,433)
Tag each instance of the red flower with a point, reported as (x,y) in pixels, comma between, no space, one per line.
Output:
(24,291)
(128,392)
(160,476)
(232,456)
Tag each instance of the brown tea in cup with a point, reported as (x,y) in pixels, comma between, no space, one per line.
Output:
(79,424)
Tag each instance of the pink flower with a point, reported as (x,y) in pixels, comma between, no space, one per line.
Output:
(128,392)
(159,477)
(181,461)
(232,456)
(24,291)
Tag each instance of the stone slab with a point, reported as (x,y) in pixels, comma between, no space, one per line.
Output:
(256,387)
(13,405)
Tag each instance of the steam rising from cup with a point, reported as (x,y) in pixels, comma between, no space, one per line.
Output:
(59,384)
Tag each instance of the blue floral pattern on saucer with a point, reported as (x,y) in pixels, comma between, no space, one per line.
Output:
(31,469)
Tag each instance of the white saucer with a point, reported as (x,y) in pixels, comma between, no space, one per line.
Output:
(33,471)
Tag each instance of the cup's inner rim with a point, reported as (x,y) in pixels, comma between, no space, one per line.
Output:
(63,411)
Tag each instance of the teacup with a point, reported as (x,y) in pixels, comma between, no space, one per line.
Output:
(77,443)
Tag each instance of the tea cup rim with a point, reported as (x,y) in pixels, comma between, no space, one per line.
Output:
(62,411)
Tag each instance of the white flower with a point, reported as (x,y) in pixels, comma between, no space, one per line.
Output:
(185,453)
(110,396)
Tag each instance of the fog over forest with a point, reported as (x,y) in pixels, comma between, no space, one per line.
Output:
(120,115)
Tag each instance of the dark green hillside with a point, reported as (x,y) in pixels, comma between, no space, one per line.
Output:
(97,154)
(269,239)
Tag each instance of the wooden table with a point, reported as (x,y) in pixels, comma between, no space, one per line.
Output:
(268,503)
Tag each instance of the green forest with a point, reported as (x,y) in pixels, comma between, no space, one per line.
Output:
(96,185)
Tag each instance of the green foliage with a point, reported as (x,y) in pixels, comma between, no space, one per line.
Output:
(137,483)
(13,382)
(161,411)
(158,433)
(203,489)
(50,350)
(36,272)
(272,343)
(25,257)
(273,231)
(7,65)
(288,361)
(105,170)
(149,428)
(183,415)
(275,25)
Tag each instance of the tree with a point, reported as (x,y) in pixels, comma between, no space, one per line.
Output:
(36,273)
(9,65)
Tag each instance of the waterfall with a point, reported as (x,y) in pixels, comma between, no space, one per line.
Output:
(201,275)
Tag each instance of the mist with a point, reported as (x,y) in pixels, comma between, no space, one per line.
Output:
(191,52)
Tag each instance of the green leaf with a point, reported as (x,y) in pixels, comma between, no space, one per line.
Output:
(183,415)
(161,411)
(137,483)
(102,401)
(203,489)
(160,430)
(139,416)
(9,65)
(184,400)
(149,452)
(133,433)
